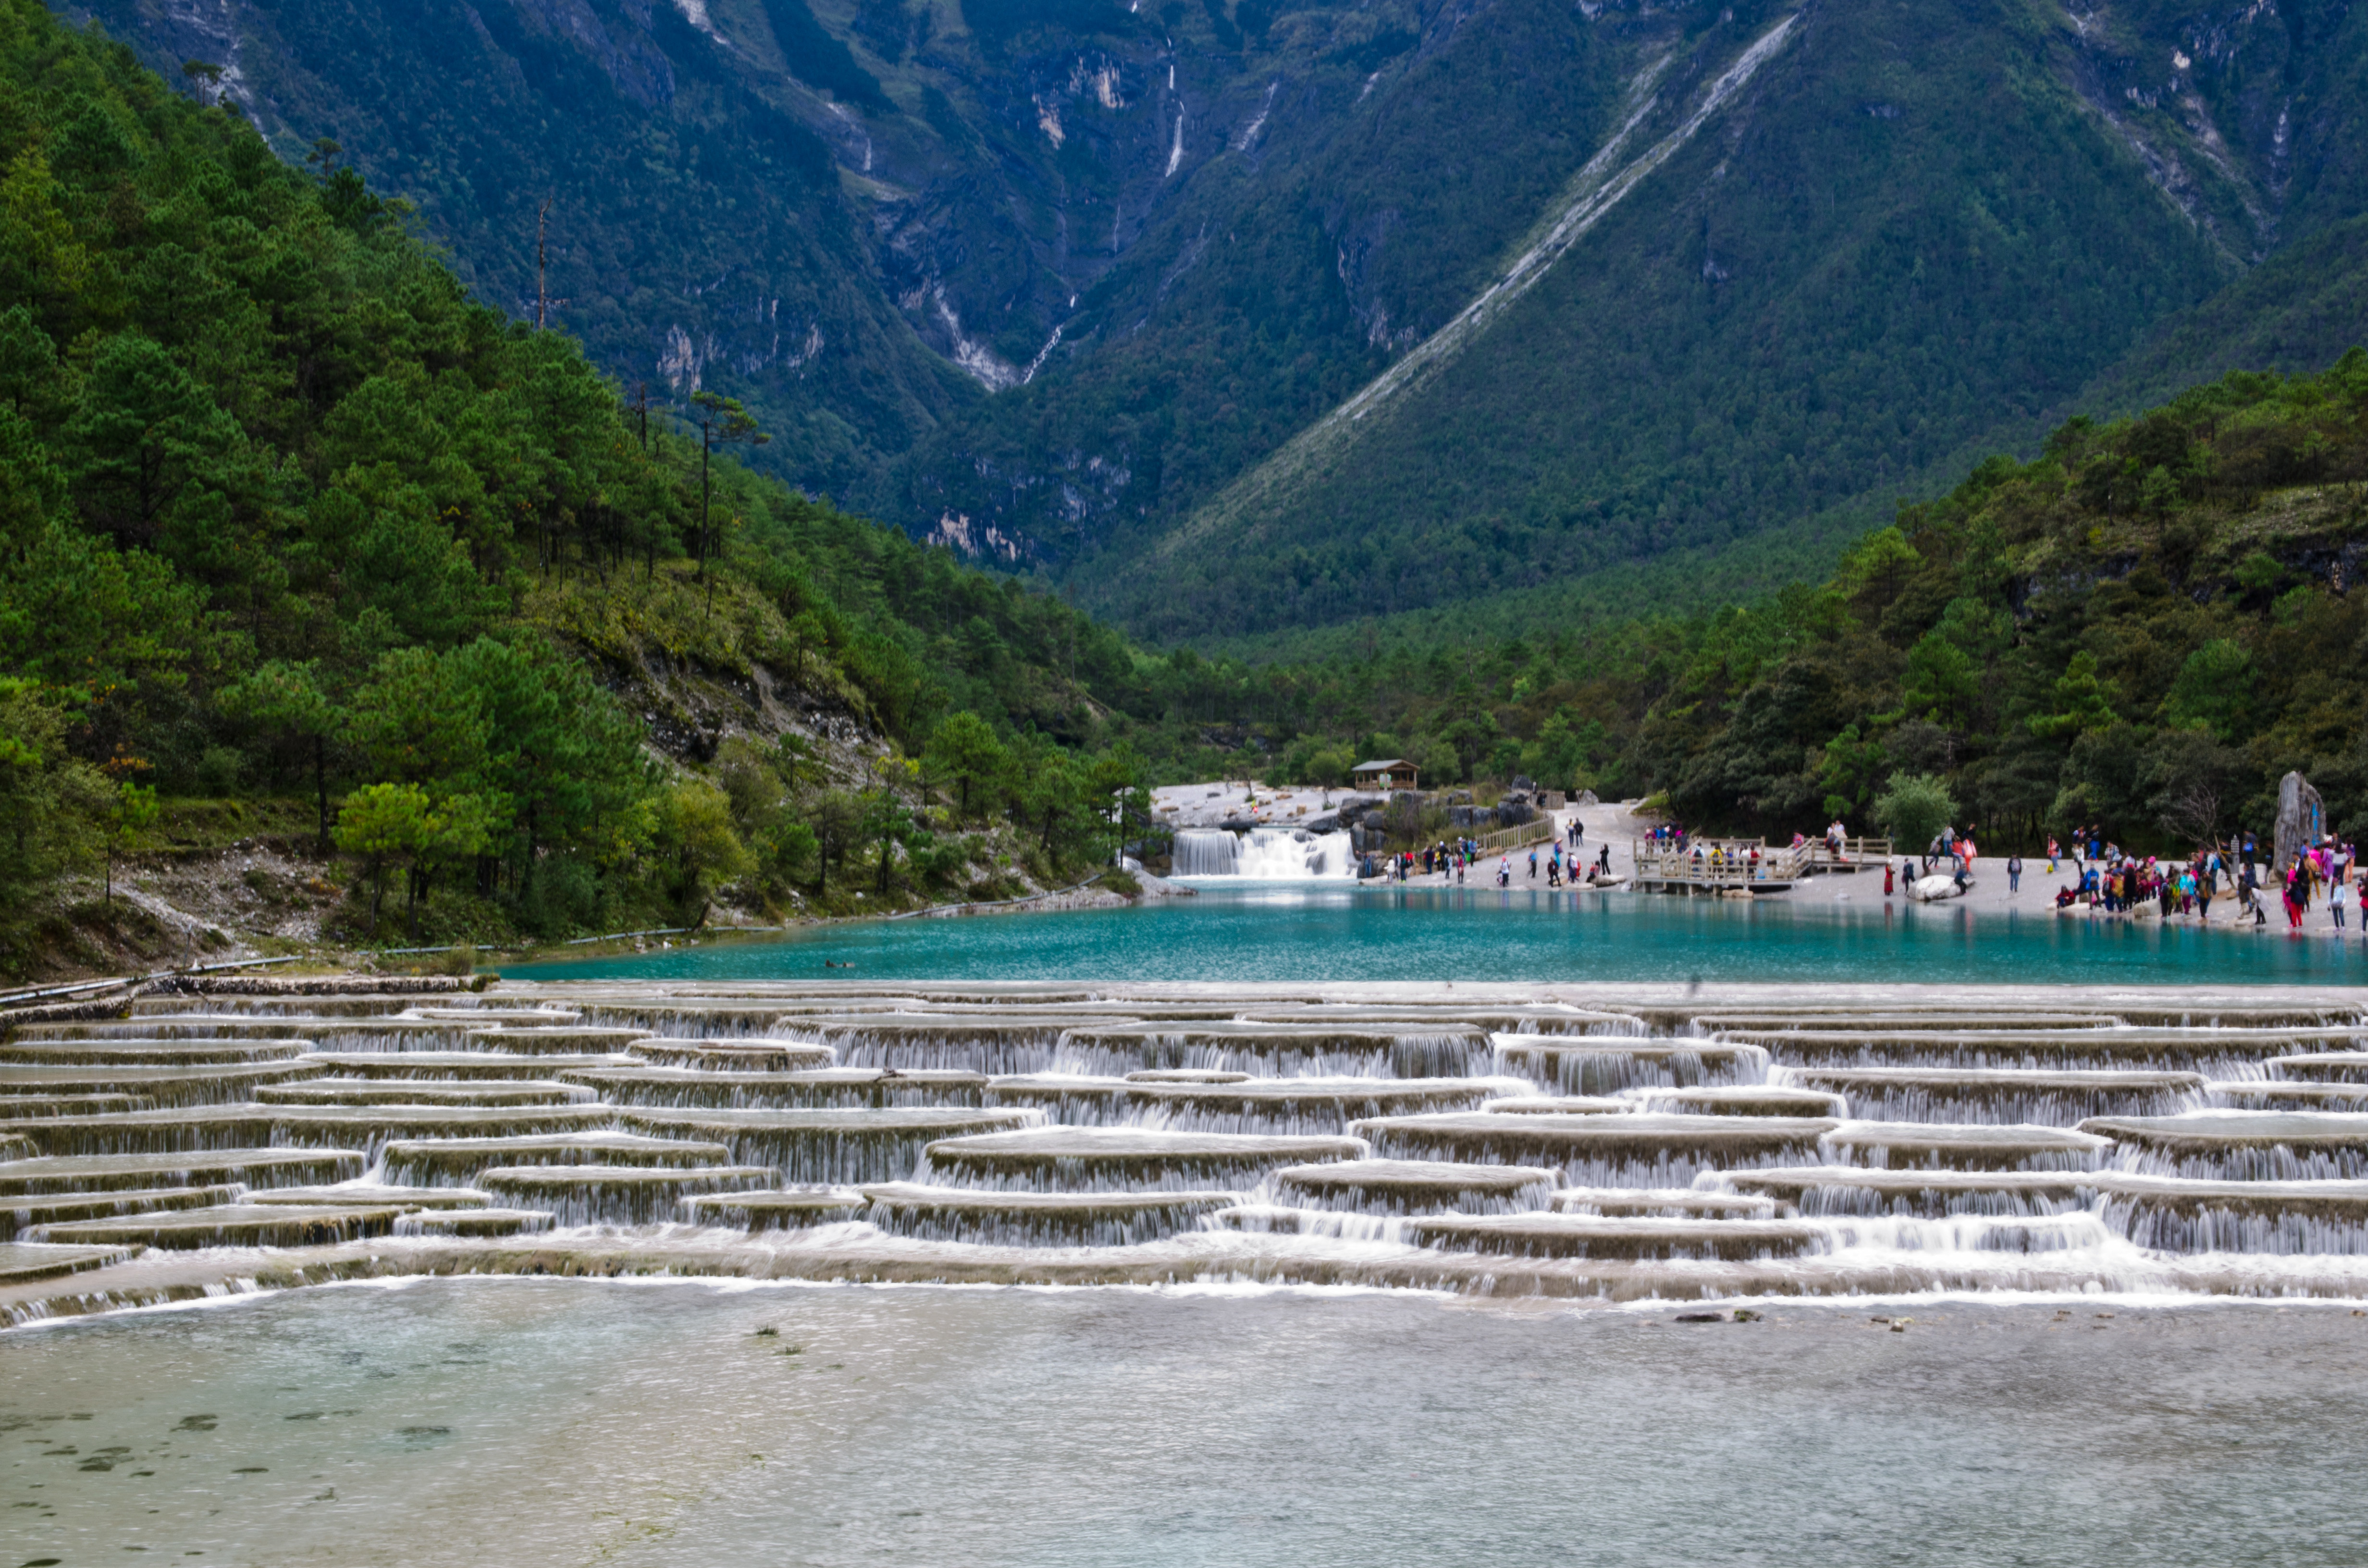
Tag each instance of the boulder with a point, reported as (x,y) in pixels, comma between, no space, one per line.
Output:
(1933,889)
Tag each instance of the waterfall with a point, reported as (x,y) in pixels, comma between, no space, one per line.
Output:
(1274,854)
(1205,852)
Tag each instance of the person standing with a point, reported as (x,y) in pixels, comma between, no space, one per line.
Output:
(2014,873)
(2052,857)
(2335,902)
(1886,879)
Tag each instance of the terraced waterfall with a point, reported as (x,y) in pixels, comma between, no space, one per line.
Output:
(1567,1141)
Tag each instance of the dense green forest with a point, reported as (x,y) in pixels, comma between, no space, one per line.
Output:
(1063,279)
(2143,629)
(302,542)
(289,519)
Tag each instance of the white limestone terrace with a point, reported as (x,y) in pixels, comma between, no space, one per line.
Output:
(1242,801)
(1611,1142)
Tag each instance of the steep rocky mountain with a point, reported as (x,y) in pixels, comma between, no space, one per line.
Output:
(1246,317)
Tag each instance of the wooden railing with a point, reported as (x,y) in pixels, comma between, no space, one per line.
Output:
(1722,862)
(1738,862)
(1506,839)
(1857,854)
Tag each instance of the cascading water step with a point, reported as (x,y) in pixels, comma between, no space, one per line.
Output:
(504,1018)
(164,1086)
(355,1006)
(615,1194)
(1493,1020)
(1601,1151)
(1850,1021)
(827,1146)
(1610,1236)
(373,1195)
(1442,1050)
(154,1028)
(1742,1099)
(430,1066)
(249,1167)
(1970,1234)
(382,1092)
(1408,1187)
(22,1263)
(827,1086)
(1920,1193)
(1662,1203)
(455,1162)
(475,1221)
(2058,1050)
(2280,1094)
(230,1224)
(2286,1218)
(88,1054)
(730,1056)
(1603,1065)
(2044,1096)
(2244,1145)
(987,1044)
(1112,1159)
(1563,1105)
(1074,1099)
(1302,1105)
(2321,1067)
(1185,1076)
(795,1209)
(571,1040)
(334,1127)
(1037,1218)
(1908,1145)
(729,1022)
(19,1108)
(19,1214)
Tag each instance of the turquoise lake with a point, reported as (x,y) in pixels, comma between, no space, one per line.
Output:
(1291,932)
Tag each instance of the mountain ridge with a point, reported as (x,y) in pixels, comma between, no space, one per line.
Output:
(1085,282)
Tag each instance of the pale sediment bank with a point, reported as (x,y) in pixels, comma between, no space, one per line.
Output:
(1566,1141)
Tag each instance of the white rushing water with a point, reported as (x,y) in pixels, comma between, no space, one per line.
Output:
(1272,854)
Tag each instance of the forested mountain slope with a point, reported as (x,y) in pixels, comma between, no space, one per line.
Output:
(288,521)
(1060,281)
(2143,629)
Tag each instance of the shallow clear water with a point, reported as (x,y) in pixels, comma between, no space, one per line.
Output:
(529,1422)
(1294,932)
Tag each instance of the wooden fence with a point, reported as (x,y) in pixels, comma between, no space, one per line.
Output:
(1713,863)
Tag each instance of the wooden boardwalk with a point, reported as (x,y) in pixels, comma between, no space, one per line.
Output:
(1747,865)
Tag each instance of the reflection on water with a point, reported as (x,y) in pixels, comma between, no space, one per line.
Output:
(1287,932)
(550,1422)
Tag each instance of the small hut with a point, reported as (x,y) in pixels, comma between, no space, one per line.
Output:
(1389,773)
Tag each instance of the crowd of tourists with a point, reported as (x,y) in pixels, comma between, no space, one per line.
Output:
(2104,878)
(2110,881)
(1454,856)
(1562,865)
